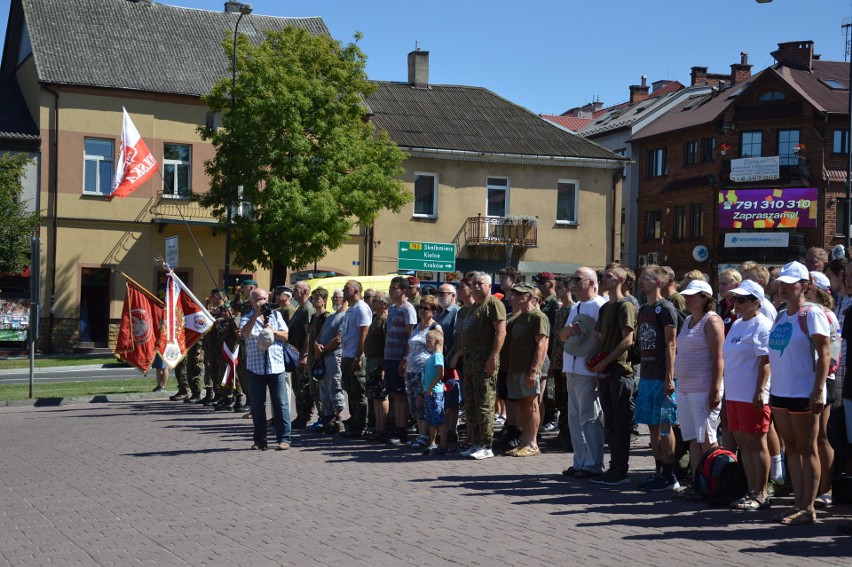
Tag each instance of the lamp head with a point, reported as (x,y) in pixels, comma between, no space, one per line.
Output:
(245,9)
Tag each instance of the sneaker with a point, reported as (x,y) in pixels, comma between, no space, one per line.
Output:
(661,484)
(616,478)
(550,426)
(599,478)
(470,451)
(431,451)
(483,453)
(395,441)
(649,481)
(317,425)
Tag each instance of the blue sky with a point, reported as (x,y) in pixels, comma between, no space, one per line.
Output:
(551,55)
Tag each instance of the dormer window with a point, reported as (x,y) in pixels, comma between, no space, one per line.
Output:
(771,96)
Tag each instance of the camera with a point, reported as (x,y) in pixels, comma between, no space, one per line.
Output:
(266,310)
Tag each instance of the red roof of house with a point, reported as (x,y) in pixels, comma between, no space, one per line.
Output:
(571,122)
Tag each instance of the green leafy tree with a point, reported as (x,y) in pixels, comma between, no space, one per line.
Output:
(299,146)
(18,224)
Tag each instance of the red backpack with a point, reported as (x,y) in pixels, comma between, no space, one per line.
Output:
(720,478)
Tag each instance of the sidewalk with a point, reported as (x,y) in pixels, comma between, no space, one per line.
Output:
(167,483)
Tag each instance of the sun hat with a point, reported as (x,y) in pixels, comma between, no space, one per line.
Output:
(697,286)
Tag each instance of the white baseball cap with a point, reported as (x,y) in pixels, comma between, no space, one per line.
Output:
(696,286)
(748,287)
(793,272)
(821,281)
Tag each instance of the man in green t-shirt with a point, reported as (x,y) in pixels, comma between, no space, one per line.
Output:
(482,338)
(305,390)
(615,326)
(527,350)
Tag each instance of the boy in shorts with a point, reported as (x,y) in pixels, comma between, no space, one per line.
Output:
(433,393)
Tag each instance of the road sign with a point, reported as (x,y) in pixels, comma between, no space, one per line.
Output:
(172,251)
(427,256)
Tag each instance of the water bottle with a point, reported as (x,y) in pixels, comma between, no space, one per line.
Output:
(668,407)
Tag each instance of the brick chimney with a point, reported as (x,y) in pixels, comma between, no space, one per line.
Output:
(698,76)
(798,54)
(639,92)
(740,72)
(418,69)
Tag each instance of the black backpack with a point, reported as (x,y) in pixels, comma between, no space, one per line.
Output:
(720,478)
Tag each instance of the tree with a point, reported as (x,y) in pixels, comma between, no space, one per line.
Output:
(18,224)
(298,145)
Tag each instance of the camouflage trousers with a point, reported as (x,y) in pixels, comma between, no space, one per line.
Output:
(306,392)
(479,393)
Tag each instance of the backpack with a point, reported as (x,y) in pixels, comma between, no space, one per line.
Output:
(720,478)
(834,336)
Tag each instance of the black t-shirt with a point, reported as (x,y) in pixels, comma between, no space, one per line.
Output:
(651,334)
(846,334)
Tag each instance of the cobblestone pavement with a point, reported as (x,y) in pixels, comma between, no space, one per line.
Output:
(162,483)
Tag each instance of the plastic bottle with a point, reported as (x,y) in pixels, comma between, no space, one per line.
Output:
(668,407)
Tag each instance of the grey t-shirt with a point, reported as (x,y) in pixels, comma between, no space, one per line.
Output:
(330,329)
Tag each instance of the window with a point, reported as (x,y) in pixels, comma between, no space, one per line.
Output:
(653,229)
(243,207)
(657,162)
(841,142)
(690,153)
(425,195)
(97,166)
(771,96)
(751,144)
(840,223)
(176,170)
(834,84)
(567,200)
(497,189)
(787,140)
(680,223)
(697,220)
(708,146)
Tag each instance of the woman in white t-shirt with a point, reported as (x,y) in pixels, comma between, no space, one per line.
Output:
(746,353)
(797,392)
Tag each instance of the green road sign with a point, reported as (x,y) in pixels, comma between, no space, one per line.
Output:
(427,256)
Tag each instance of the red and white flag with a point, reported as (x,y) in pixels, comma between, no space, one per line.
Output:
(137,335)
(231,361)
(135,163)
(185,321)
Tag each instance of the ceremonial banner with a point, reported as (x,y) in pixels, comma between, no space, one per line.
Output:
(231,361)
(135,163)
(185,321)
(137,335)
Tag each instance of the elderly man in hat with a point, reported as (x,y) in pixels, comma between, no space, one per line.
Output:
(585,416)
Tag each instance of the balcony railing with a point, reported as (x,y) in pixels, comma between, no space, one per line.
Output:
(491,231)
(178,208)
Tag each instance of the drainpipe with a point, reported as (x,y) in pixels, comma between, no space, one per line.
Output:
(54,187)
(616,219)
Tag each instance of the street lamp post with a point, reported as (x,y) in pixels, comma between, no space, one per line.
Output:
(244,10)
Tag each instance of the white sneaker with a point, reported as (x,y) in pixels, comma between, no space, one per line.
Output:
(470,450)
(483,453)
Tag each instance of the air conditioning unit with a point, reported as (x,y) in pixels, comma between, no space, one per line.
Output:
(643,260)
(653,257)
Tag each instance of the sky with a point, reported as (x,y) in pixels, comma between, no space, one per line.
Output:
(552,55)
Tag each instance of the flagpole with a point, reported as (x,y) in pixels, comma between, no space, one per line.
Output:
(142,289)
(197,246)
(188,291)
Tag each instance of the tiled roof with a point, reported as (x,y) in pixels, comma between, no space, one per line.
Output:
(15,121)
(138,46)
(448,117)
(573,123)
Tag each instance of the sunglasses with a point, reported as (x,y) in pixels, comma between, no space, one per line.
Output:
(744,298)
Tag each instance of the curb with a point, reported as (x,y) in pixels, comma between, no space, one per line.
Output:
(99,399)
(45,369)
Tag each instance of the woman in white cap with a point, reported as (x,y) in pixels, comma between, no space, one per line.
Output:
(746,353)
(698,367)
(820,293)
(799,358)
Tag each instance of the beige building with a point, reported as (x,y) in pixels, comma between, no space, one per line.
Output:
(502,184)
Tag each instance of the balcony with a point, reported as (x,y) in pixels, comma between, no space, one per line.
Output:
(498,231)
(170,209)
(792,170)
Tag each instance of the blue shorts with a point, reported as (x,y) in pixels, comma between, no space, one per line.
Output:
(433,407)
(158,363)
(648,401)
(453,396)
(394,383)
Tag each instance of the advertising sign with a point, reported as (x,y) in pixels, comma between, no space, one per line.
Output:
(757,239)
(755,169)
(768,208)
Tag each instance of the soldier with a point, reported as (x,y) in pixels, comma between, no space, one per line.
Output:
(305,389)
(284,297)
(212,346)
(188,373)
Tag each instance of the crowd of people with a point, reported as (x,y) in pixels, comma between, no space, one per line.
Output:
(756,366)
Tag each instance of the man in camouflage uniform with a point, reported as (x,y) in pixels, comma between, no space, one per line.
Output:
(239,307)
(188,373)
(563,292)
(305,389)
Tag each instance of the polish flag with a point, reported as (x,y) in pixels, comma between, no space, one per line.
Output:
(185,321)
(231,361)
(137,335)
(135,163)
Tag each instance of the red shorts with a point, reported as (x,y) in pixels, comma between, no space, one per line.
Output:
(743,416)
